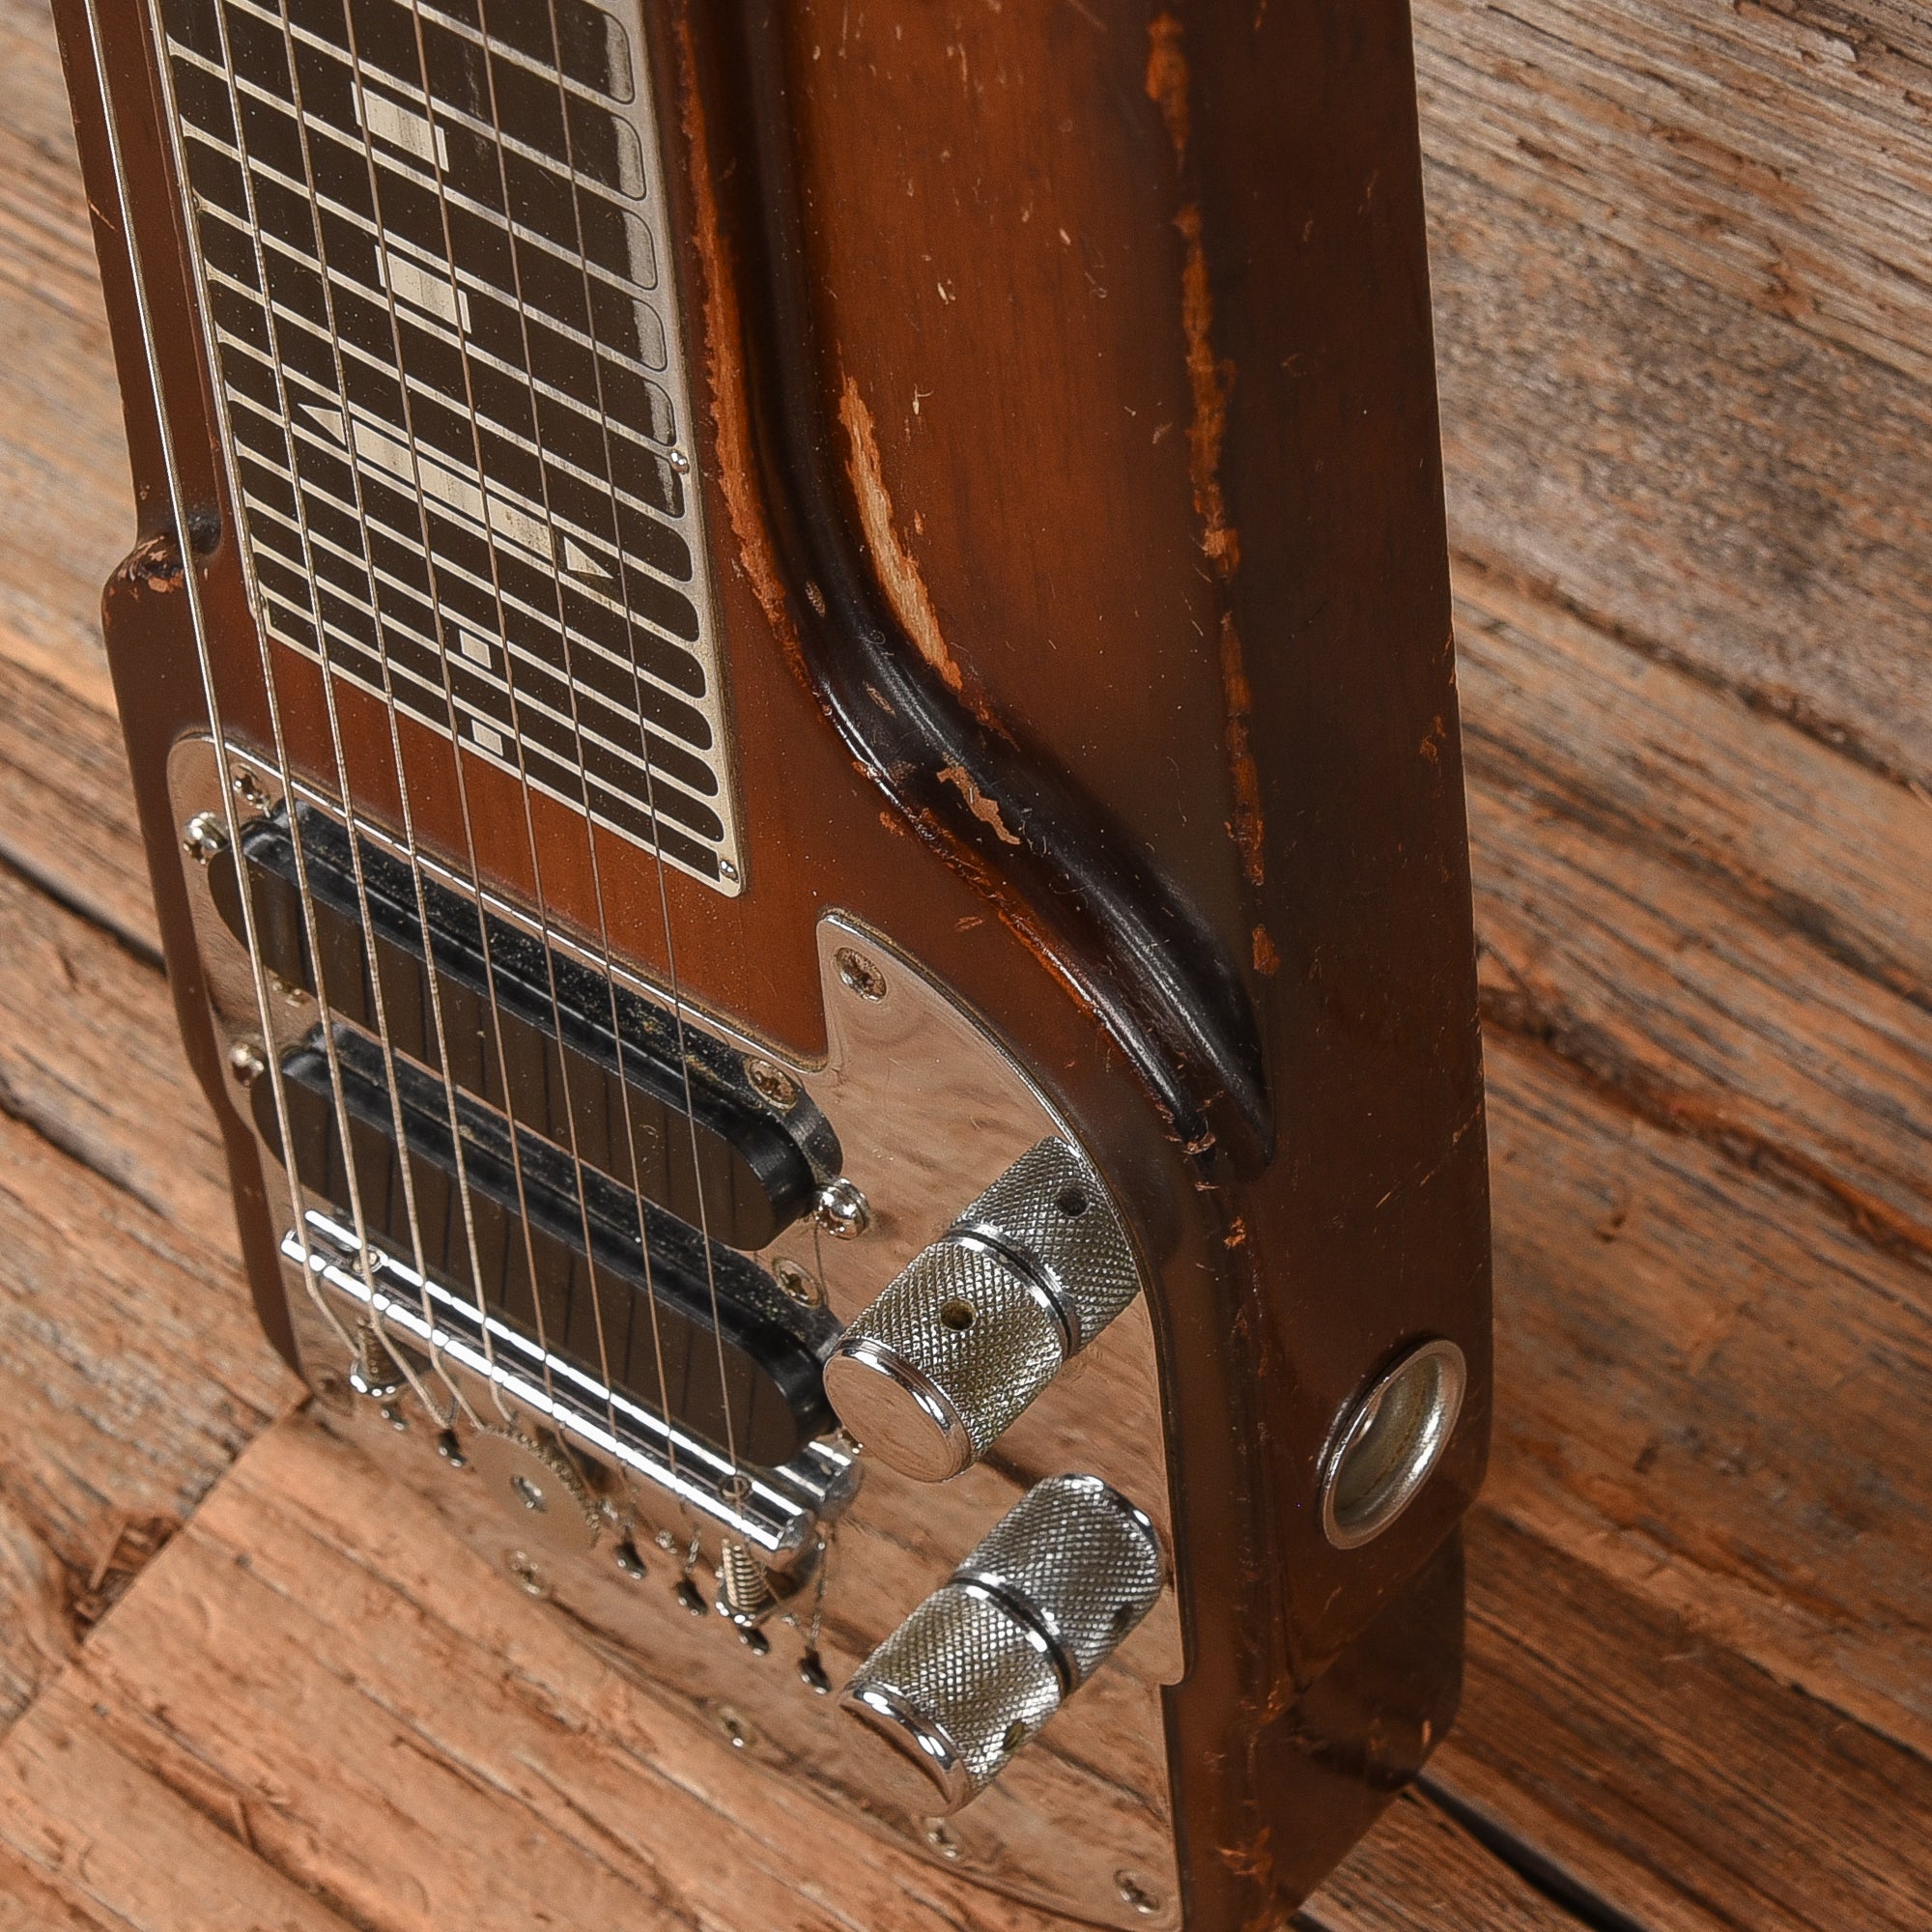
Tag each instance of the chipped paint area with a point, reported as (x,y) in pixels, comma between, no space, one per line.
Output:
(982,807)
(899,575)
(1167,79)
(1211,382)
(734,465)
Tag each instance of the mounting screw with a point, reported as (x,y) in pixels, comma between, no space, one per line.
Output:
(204,837)
(801,1286)
(727,872)
(679,462)
(842,1210)
(944,1840)
(770,1082)
(733,1728)
(248,789)
(245,1060)
(529,1578)
(860,974)
(1135,1890)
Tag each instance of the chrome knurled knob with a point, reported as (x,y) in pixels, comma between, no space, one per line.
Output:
(972,1675)
(955,1348)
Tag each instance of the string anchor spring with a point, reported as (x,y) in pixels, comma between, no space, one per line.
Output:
(373,1373)
(745,1594)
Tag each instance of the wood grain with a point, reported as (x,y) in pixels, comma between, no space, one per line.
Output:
(1654,1770)
(63,459)
(1684,361)
(319,1670)
(66,818)
(1682,315)
(130,1374)
(1420,1867)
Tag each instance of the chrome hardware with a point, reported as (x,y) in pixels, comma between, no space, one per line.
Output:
(204,837)
(978,1668)
(777,1514)
(373,1373)
(799,1283)
(529,1578)
(539,1485)
(842,1210)
(247,1062)
(771,1082)
(859,974)
(954,1351)
(920,1107)
(1389,1441)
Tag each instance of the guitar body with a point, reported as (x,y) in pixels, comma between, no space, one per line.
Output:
(1027,560)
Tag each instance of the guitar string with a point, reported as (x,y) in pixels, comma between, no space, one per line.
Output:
(738,1480)
(379,997)
(388,1045)
(272,1055)
(624,1086)
(197,616)
(604,951)
(535,1279)
(464,1194)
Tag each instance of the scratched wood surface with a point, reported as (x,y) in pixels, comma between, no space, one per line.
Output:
(1680,262)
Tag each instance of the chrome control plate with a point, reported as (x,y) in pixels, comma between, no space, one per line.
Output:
(929,1110)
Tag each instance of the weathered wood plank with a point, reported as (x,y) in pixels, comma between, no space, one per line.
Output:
(1681,314)
(1711,1395)
(1777,152)
(1666,1776)
(132,1372)
(125,1849)
(1710,912)
(90,1058)
(65,815)
(1420,1871)
(66,810)
(63,456)
(28,1904)
(321,1669)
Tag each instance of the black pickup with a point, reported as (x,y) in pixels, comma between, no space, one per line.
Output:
(561,1253)
(547,1055)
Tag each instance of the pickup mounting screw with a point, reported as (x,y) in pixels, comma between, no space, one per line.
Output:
(530,1580)
(204,837)
(248,788)
(1135,1891)
(842,1210)
(770,1082)
(798,1283)
(247,1063)
(860,974)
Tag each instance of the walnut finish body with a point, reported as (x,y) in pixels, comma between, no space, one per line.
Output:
(1115,381)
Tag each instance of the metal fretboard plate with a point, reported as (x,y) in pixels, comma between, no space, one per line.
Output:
(434,265)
